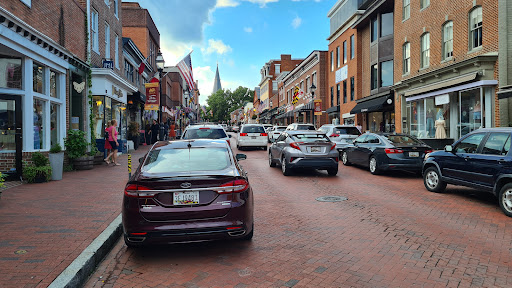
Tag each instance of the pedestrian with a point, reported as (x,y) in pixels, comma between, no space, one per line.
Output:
(154,131)
(161,131)
(166,130)
(172,131)
(107,146)
(112,137)
(359,127)
(147,134)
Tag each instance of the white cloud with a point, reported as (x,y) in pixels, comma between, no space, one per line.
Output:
(226,3)
(248,29)
(262,3)
(205,75)
(216,46)
(296,22)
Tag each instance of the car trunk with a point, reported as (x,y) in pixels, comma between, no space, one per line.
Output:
(315,149)
(412,152)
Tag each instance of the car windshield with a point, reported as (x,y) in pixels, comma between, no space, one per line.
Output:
(403,139)
(253,129)
(305,127)
(346,131)
(205,133)
(310,138)
(185,160)
(280,129)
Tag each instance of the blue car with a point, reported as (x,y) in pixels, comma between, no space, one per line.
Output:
(481,160)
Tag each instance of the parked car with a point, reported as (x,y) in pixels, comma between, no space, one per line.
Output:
(252,135)
(267,127)
(188,191)
(481,160)
(275,132)
(205,131)
(342,135)
(236,129)
(303,149)
(385,151)
(300,126)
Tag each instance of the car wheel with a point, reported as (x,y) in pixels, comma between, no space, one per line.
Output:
(284,167)
(265,148)
(270,161)
(344,158)
(505,199)
(374,167)
(332,171)
(432,180)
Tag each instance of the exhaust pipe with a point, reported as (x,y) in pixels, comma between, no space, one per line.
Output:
(236,233)
(136,239)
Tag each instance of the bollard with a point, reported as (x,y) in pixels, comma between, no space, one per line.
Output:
(129,166)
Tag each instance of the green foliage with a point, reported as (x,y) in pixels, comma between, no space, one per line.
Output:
(223,102)
(133,129)
(2,179)
(30,173)
(39,159)
(68,168)
(76,144)
(56,148)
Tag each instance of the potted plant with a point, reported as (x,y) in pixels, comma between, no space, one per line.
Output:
(76,147)
(56,157)
(134,134)
(39,171)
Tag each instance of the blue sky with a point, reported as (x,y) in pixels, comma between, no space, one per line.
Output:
(239,35)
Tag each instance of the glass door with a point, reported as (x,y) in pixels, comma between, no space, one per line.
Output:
(10,128)
(470,111)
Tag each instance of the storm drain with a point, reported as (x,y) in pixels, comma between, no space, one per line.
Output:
(331,199)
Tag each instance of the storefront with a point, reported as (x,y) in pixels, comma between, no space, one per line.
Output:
(334,115)
(349,119)
(378,113)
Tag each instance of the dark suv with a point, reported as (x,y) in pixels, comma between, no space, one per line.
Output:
(481,160)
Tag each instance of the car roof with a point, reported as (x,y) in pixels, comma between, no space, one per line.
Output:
(205,126)
(294,132)
(252,124)
(180,144)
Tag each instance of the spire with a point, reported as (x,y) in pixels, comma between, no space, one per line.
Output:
(216,82)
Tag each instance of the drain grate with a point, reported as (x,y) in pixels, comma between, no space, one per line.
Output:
(331,199)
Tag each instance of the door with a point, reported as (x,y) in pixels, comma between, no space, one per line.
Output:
(487,165)
(11,129)
(458,165)
(355,154)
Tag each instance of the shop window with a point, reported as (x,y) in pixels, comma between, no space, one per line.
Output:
(374,29)
(386,73)
(344,91)
(406,58)
(430,117)
(475,26)
(386,24)
(424,4)
(98,110)
(54,84)
(352,47)
(448,40)
(54,124)
(406,10)
(10,72)
(470,111)
(374,76)
(38,78)
(425,50)
(38,120)
(352,88)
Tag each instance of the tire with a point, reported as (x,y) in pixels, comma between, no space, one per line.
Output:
(271,162)
(344,158)
(374,167)
(332,171)
(505,199)
(264,148)
(284,167)
(432,180)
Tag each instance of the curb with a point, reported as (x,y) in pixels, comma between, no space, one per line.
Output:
(81,268)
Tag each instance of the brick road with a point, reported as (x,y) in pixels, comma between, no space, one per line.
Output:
(390,232)
(46,226)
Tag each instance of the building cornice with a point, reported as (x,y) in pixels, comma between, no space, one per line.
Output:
(110,75)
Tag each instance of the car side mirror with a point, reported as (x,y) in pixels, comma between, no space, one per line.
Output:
(229,135)
(448,148)
(241,156)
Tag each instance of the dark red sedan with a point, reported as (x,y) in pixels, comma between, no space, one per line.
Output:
(188,191)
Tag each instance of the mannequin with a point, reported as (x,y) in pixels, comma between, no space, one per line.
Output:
(430,122)
(440,130)
(477,111)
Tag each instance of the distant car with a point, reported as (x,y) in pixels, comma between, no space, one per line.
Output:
(205,132)
(275,132)
(252,135)
(301,126)
(267,127)
(236,129)
(342,135)
(188,191)
(385,151)
(303,149)
(481,160)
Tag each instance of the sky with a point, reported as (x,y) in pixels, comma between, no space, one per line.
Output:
(240,35)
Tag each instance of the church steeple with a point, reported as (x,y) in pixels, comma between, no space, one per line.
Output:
(216,82)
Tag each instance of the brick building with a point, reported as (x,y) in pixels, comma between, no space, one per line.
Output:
(446,73)
(344,79)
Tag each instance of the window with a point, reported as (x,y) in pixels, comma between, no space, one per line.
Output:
(27,2)
(116,12)
(338,56)
(386,73)
(345,52)
(374,76)
(38,78)
(406,10)
(332,96)
(470,144)
(406,58)
(386,24)
(448,40)
(54,124)
(10,74)
(314,79)
(116,51)
(374,27)
(53,84)
(352,48)
(277,68)
(475,26)
(338,94)
(39,142)
(274,85)
(186,160)
(352,88)
(94,30)
(495,144)
(308,86)
(332,61)
(424,3)
(425,50)
(344,91)
(301,85)
(128,70)
(107,41)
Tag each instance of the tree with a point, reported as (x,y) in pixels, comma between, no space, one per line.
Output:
(223,102)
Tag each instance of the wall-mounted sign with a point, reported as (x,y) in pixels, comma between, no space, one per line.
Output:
(108,64)
(442,99)
(341,74)
(75,121)
(117,91)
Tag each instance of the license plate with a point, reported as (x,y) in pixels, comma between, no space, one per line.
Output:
(186,198)
(316,149)
(414,154)
(253,137)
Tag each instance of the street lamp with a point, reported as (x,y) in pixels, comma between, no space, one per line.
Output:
(160,64)
(313,88)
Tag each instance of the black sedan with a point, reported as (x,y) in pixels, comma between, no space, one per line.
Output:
(381,152)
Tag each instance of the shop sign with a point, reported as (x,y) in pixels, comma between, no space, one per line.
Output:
(442,99)
(117,92)
(108,64)
(342,74)
(318,107)
(152,97)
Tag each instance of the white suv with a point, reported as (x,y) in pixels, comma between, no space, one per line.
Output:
(301,126)
(252,135)
(342,135)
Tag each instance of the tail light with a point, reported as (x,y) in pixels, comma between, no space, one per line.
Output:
(204,128)
(137,191)
(333,145)
(429,151)
(295,145)
(243,134)
(335,135)
(393,151)
(263,134)
(229,142)
(236,186)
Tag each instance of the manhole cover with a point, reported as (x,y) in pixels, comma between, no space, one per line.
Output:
(331,199)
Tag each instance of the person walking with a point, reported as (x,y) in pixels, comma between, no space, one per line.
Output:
(172,131)
(155,128)
(108,147)
(112,137)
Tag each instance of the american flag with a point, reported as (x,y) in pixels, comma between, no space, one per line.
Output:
(185,67)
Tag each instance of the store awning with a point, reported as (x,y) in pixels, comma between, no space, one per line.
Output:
(375,104)
(308,107)
(334,109)
(454,89)
(441,84)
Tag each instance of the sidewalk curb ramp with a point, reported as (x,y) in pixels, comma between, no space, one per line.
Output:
(77,273)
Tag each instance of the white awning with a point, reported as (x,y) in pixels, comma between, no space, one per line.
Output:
(453,89)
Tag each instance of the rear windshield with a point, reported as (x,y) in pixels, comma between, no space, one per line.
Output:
(280,129)
(305,127)
(205,133)
(347,131)
(185,160)
(310,138)
(403,139)
(253,129)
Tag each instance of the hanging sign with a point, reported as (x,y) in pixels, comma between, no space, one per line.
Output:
(152,97)
(318,107)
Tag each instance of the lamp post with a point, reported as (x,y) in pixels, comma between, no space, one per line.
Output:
(270,108)
(313,88)
(160,64)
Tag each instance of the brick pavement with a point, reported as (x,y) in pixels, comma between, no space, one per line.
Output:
(391,232)
(46,226)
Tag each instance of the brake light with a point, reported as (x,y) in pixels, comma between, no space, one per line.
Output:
(204,128)
(243,134)
(335,135)
(263,134)
(393,151)
(229,142)
(333,145)
(296,145)
(139,234)
(429,151)
(236,186)
(137,191)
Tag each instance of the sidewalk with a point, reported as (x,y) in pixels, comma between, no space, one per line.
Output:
(45,226)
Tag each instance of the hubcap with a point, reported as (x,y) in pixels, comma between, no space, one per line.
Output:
(433,179)
(507,200)
(373,164)
(344,158)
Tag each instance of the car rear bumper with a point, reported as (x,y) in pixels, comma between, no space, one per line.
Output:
(314,163)
(395,165)
(255,143)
